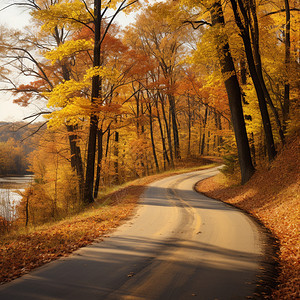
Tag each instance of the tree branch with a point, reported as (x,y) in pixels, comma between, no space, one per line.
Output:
(280,10)
(199,23)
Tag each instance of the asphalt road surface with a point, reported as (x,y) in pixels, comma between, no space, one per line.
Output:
(179,245)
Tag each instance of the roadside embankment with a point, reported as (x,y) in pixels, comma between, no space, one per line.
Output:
(272,196)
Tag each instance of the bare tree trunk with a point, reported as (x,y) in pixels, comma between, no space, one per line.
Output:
(286,103)
(27,206)
(255,74)
(116,154)
(76,160)
(174,126)
(204,131)
(168,131)
(99,161)
(107,142)
(189,126)
(96,87)
(219,128)
(152,137)
(207,142)
(254,30)
(165,153)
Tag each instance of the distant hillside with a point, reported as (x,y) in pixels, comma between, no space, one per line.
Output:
(17,140)
(22,132)
(18,130)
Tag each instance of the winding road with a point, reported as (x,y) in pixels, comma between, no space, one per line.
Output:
(179,245)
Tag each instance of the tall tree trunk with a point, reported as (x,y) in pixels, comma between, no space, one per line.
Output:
(167,130)
(165,152)
(137,115)
(76,160)
(254,31)
(286,103)
(189,126)
(174,126)
(96,86)
(116,154)
(107,142)
(234,96)
(200,131)
(262,103)
(254,64)
(137,101)
(204,131)
(207,142)
(219,128)
(99,161)
(152,138)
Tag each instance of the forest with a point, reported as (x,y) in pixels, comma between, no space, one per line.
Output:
(186,79)
(17,141)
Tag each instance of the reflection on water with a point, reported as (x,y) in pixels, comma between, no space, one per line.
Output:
(9,196)
(15,180)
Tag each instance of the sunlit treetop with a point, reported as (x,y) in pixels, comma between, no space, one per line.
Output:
(72,14)
(68,14)
(166,13)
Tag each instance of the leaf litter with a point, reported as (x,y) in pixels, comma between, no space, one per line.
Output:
(272,196)
(21,253)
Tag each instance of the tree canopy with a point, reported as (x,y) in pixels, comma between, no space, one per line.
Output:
(186,79)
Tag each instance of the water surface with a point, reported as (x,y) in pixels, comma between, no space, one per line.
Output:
(10,197)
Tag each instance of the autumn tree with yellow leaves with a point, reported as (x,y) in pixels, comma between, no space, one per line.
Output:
(234,30)
(133,102)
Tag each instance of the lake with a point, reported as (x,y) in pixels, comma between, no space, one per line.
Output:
(9,197)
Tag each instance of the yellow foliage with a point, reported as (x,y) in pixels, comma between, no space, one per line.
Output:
(69,48)
(63,14)
(192,4)
(62,94)
(109,74)
(71,14)
(54,193)
(70,114)
(70,100)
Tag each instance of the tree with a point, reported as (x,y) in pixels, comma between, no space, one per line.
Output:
(163,42)
(70,94)
(234,97)
(232,87)
(96,85)
(249,32)
(54,34)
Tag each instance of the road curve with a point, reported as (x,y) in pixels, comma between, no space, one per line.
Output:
(179,245)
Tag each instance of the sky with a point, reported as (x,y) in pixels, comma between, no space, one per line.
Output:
(16,17)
